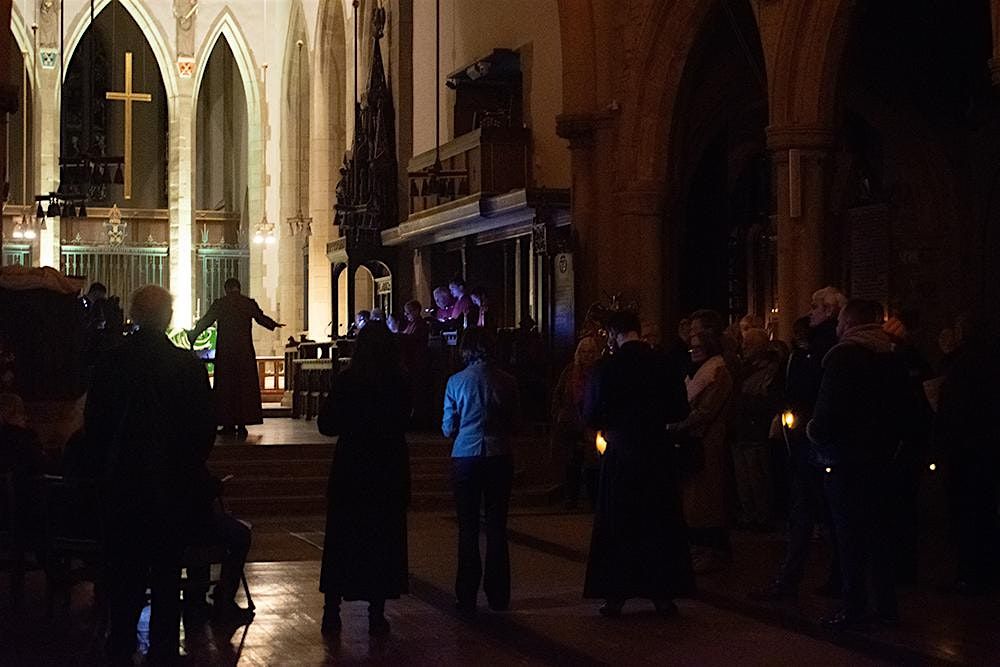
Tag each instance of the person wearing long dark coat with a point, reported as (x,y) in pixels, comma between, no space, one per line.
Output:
(150,408)
(237,386)
(638,548)
(364,551)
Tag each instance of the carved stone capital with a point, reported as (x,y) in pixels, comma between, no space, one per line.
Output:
(803,137)
(580,128)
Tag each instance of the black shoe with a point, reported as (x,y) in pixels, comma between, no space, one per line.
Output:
(776,592)
(242,433)
(842,620)
(665,608)
(331,623)
(378,626)
(229,613)
(610,609)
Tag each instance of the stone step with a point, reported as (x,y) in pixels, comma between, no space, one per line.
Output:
(297,468)
(256,486)
(297,505)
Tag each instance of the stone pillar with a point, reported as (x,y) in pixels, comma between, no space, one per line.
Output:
(800,158)
(47,112)
(180,202)
(994,61)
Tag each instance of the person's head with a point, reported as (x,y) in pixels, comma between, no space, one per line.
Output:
(476,346)
(232,286)
(12,411)
(826,305)
(152,308)
(457,287)
(97,291)
(707,320)
(623,326)
(748,322)
(362,319)
(377,314)
(392,323)
(800,332)
(376,352)
(442,297)
(704,345)
(684,330)
(478,297)
(859,312)
(412,310)
(755,342)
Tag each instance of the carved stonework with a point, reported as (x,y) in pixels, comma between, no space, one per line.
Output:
(48,25)
(367,189)
(115,227)
(185,67)
(185,12)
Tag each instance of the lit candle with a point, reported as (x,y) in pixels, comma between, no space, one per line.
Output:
(788,419)
(829,470)
(932,467)
(601,443)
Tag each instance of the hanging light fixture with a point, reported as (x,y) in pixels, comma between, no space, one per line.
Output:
(264,231)
(299,222)
(29,229)
(18,232)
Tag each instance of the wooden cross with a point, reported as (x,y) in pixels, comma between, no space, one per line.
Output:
(128,97)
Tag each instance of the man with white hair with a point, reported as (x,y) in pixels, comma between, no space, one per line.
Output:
(807,504)
(150,408)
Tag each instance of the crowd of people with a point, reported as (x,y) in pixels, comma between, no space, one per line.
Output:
(673,446)
(832,433)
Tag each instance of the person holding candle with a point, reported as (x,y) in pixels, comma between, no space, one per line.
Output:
(638,547)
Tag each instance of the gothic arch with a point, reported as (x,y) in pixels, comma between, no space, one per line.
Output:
(151,30)
(810,49)
(23,41)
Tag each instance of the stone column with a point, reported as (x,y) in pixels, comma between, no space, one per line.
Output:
(180,202)
(800,158)
(994,61)
(47,111)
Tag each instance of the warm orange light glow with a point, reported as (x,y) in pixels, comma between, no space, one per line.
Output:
(788,419)
(601,443)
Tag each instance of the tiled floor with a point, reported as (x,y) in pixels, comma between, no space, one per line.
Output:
(549,622)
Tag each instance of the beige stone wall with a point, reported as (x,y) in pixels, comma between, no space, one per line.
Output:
(471,29)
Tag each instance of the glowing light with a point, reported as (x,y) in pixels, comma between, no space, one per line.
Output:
(788,419)
(270,239)
(600,443)
(258,238)
(932,467)
(29,233)
(829,470)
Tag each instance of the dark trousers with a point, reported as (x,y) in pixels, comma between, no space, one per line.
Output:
(478,481)
(860,503)
(972,488)
(135,560)
(234,535)
(807,508)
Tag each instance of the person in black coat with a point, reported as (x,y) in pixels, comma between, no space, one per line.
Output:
(364,551)
(638,548)
(150,408)
(863,412)
(807,503)
(967,448)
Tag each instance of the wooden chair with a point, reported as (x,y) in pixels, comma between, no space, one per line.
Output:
(74,536)
(12,550)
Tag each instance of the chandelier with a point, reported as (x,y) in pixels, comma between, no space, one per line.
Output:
(264,232)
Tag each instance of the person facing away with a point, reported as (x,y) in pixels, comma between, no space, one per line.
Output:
(364,550)
(966,446)
(481,412)
(150,403)
(862,414)
(638,547)
(237,386)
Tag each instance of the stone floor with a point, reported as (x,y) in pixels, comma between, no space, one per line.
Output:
(549,622)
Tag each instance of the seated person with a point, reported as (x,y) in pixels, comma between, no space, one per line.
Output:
(21,454)
(360,320)
(444,302)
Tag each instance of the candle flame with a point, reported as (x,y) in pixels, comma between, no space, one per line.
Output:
(788,419)
(932,467)
(829,470)
(601,443)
